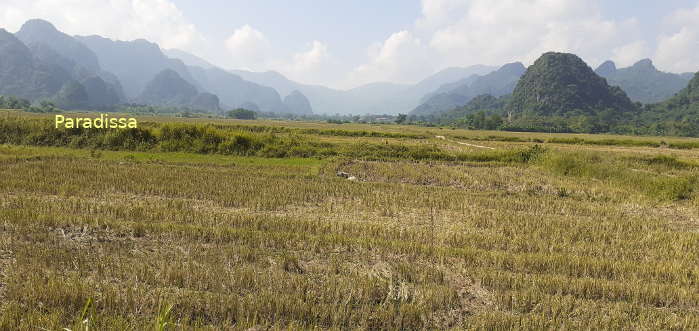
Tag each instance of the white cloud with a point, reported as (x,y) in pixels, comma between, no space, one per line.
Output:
(249,48)
(627,55)
(401,58)
(313,66)
(439,13)
(678,48)
(496,32)
(468,32)
(156,20)
(311,59)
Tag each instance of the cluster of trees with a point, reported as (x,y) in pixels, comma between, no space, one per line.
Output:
(659,119)
(11,102)
(242,114)
(136,108)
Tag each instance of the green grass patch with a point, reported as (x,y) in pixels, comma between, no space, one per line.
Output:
(647,175)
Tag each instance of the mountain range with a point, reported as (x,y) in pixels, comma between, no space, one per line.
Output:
(376,98)
(559,92)
(453,95)
(643,82)
(39,62)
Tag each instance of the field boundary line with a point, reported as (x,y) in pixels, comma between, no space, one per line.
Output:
(462,143)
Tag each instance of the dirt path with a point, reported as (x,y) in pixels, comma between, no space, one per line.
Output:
(461,143)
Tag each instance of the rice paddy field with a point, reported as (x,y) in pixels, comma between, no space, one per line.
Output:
(211,224)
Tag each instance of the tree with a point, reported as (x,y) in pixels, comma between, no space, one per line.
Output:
(401,118)
(242,114)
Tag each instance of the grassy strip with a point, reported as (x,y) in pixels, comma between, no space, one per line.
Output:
(591,142)
(210,139)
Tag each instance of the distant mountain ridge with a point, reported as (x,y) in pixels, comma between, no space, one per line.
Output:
(187,58)
(377,98)
(24,75)
(40,62)
(135,63)
(102,88)
(37,31)
(167,88)
(95,72)
(234,91)
(297,103)
(497,83)
(642,81)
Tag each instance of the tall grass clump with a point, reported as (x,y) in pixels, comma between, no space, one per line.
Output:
(517,155)
(643,174)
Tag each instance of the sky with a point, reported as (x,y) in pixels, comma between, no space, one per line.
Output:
(348,43)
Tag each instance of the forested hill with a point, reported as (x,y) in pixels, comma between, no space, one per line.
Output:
(677,116)
(562,84)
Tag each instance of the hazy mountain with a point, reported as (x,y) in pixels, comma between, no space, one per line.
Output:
(250,106)
(642,82)
(46,55)
(56,48)
(272,79)
(168,88)
(374,98)
(235,91)
(187,58)
(42,32)
(687,75)
(448,87)
(563,84)
(102,93)
(23,75)
(135,63)
(440,103)
(106,88)
(72,95)
(689,96)
(496,83)
(450,76)
(206,101)
(379,98)
(323,99)
(607,68)
(297,103)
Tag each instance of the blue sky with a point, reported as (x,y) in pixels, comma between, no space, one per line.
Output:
(349,43)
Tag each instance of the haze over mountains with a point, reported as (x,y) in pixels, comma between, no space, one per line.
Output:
(377,98)
(92,72)
(643,82)
(449,96)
